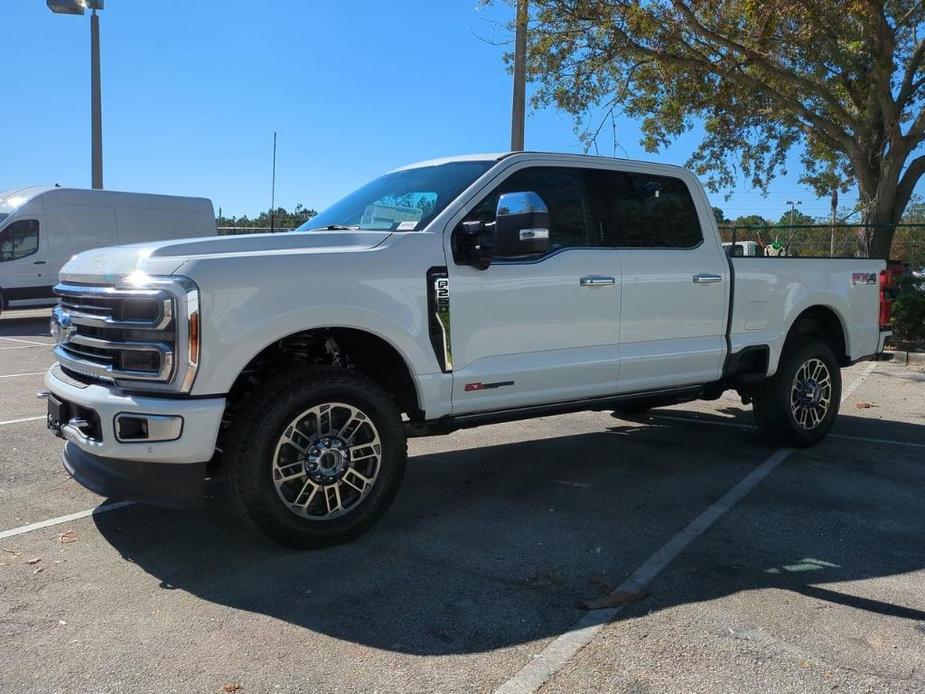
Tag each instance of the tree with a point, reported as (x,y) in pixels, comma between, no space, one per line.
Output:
(797,219)
(280,218)
(842,80)
(751,220)
(720,216)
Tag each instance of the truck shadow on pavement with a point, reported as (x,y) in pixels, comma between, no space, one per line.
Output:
(494,546)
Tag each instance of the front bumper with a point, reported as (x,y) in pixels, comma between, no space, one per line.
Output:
(158,484)
(168,473)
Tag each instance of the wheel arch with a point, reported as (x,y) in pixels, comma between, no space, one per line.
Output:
(362,350)
(824,322)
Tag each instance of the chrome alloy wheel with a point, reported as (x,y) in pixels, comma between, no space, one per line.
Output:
(327,461)
(811,394)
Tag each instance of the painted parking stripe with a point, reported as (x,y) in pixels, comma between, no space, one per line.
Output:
(846,437)
(24,419)
(3,349)
(560,650)
(103,508)
(27,342)
(31,373)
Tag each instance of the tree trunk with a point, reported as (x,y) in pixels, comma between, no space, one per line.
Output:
(876,238)
(878,192)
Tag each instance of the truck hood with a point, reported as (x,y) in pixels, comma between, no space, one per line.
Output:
(107,265)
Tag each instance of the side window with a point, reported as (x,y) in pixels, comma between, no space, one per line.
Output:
(643,211)
(562,189)
(19,239)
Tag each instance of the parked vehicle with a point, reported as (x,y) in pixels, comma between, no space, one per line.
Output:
(742,249)
(447,294)
(41,228)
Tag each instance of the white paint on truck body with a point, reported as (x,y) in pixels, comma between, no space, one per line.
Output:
(661,323)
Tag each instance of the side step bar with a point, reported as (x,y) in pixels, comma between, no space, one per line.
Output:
(451,423)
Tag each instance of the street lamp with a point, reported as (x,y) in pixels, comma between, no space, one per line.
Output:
(96,107)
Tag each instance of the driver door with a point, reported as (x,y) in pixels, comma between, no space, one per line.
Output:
(534,330)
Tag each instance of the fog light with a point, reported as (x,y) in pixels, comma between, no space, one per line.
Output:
(148,427)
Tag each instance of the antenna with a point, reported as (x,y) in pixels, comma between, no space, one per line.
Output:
(273,193)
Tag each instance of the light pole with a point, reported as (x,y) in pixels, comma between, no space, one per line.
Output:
(793,207)
(96,105)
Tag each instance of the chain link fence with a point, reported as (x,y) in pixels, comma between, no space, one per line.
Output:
(824,241)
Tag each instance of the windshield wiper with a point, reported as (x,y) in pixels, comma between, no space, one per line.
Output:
(335,227)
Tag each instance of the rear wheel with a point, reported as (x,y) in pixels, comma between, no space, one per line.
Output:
(798,405)
(319,460)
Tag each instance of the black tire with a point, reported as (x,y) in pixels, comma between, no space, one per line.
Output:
(253,443)
(773,407)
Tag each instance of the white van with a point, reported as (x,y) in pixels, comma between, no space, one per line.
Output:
(41,228)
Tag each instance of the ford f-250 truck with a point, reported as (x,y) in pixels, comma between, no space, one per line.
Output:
(447,294)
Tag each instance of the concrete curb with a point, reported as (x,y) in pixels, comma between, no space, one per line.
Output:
(905,357)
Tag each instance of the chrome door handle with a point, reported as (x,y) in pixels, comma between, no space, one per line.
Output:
(707,278)
(596,281)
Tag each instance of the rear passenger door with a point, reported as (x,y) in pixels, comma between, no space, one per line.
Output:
(675,281)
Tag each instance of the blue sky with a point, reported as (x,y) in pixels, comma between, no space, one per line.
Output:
(192,92)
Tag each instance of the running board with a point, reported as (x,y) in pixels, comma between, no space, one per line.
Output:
(451,423)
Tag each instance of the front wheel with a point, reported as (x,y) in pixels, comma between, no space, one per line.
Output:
(798,405)
(315,460)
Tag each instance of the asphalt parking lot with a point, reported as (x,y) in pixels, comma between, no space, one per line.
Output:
(765,570)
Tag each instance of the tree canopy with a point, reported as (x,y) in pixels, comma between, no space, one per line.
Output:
(843,81)
(280,218)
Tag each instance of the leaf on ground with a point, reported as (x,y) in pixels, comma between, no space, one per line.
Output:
(614,599)
(34,560)
(11,551)
(231,688)
(68,536)
(864,405)
(39,570)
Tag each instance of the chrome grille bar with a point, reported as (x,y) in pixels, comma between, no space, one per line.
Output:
(93,334)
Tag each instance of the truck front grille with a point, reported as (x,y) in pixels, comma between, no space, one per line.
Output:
(111,333)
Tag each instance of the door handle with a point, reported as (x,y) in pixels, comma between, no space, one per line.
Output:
(596,281)
(38,262)
(707,278)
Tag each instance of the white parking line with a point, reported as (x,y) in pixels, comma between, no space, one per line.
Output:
(104,508)
(24,419)
(27,342)
(31,373)
(866,439)
(561,649)
(3,349)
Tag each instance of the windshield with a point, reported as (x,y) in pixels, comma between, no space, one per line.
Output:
(400,201)
(3,215)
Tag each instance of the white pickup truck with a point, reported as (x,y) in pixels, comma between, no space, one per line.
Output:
(446,294)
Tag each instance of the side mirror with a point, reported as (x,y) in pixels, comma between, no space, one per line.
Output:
(521,225)
(521,228)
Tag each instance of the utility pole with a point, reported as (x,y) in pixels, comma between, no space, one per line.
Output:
(834,221)
(518,107)
(273,190)
(96,101)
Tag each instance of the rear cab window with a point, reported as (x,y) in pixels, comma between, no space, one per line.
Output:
(646,211)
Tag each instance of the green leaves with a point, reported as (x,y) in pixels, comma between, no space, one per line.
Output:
(842,81)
